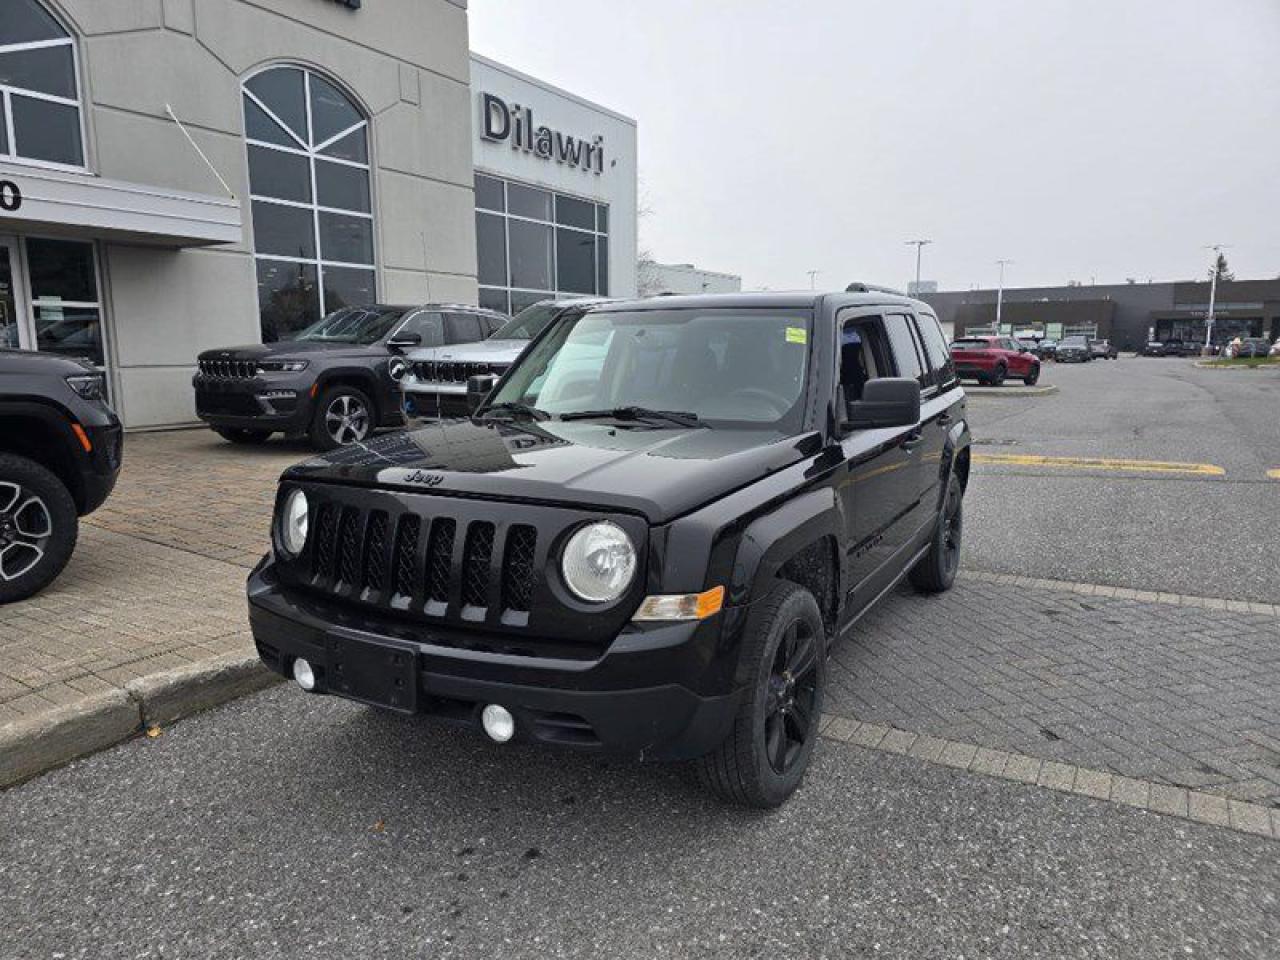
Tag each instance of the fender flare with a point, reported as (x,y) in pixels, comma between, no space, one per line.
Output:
(771,540)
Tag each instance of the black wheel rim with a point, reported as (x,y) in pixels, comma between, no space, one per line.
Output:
(791,700)
(26,526)
(952,526)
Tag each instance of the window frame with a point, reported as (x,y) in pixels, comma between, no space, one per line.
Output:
(312,154)
(69,39)
(509,291)
(943,378)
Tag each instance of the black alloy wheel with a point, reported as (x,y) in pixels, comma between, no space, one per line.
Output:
(792,692)
(997,378)
(783,668)
(937,569)
(1033,377)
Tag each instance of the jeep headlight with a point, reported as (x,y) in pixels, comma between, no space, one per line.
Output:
(282,366)
(293,523)
(599,562)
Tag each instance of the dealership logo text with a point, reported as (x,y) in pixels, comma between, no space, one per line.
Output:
(502,121)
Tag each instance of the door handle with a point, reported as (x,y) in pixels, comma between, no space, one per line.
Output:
(911,441)
(944,420)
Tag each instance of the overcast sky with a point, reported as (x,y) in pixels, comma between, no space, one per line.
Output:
(1082,138)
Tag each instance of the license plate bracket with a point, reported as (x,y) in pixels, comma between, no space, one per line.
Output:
(373,671)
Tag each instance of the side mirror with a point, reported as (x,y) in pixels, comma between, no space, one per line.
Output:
(403,341)
(478,389)
(886,402)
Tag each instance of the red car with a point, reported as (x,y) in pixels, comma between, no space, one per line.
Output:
(991,359)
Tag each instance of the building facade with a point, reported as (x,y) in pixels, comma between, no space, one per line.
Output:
(178,175)
(656,279)
(1127,314)
(555,192)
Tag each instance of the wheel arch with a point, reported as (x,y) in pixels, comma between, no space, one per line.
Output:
(26,429)
(357,377)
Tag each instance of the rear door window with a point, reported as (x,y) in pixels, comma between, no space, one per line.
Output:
(462,328)
(969,343)
(935,347)
(427,324)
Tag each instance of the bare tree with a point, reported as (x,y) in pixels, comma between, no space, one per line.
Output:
(1221,269)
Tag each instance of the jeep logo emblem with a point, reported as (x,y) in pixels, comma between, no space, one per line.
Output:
(424,479)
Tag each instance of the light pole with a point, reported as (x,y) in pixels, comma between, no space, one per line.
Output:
(813,274)
(919,245)
(1217,249)
(1000,294)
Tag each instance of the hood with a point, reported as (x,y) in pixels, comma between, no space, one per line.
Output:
(41,364)
(290,348)
(659,473)
(488,351)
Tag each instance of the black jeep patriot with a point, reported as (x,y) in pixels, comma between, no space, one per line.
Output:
(334,382)
(60,452)
(646,538)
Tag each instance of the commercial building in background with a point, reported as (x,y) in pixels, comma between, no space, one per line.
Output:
(655,279)
(555,192)
(326,156)
(1126,314)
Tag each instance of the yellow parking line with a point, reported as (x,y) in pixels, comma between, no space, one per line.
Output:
(1100,463)
(1274,474)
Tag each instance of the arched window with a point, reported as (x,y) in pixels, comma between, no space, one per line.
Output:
(309,186)
(39,93)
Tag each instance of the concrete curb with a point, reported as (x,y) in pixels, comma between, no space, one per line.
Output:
(1024,391)
(32,745)
(1152,795)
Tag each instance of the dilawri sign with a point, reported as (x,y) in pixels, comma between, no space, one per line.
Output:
(353,4)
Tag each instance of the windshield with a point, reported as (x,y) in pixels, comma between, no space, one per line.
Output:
(360,325)
(969,344)
(728,367)
(1075,342)
(528,323)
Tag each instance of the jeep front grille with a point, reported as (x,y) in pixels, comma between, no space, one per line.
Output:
(228,369)
(449,371)
(440,566)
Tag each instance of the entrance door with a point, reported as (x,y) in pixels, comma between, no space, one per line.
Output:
(15,318)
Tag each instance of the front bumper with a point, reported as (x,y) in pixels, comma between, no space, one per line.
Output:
(434,400)
(254,404)
(646,695)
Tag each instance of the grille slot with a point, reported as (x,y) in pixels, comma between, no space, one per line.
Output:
(440,560)
(517,568)
(348,546)
(476,555)
(323,564)
(375,552)
(406,551)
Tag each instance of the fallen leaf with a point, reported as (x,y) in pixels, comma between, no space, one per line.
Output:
(379,826)
(154,732)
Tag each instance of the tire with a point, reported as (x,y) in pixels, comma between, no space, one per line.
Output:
(337,422)
(763,759)
(238,435)
(1032,378)
(997,378)
(38,527)
(936,570)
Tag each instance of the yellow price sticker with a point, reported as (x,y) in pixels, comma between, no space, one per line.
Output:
(797,335)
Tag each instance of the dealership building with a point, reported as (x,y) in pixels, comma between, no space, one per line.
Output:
(177,175)
(1127,314)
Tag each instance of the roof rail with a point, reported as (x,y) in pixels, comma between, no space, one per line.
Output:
(872,288)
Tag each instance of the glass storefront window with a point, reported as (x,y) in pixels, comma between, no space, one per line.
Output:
(65,308)
(532,244)
(39,93)
(309,181)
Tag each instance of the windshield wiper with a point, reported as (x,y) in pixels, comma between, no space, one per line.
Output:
(516,408)
(678,417)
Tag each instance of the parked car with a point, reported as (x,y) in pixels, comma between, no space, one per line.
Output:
(1074,350)
(652,561)
(60,455)
(334,382)
(1182,348)
(1153,348)
(1046,349)
(1103,350)
(1253,347)
(1275,348)
(435,384)
(990,360)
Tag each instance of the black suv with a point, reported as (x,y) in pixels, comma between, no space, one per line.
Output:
(60,449)
(336,381)
(645,540)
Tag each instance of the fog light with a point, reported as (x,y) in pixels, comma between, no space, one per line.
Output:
(303,673)
(498,723)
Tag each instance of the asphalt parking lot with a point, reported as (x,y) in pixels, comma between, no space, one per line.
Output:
(283,825)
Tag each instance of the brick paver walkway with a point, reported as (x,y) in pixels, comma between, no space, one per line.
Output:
(1181,694)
